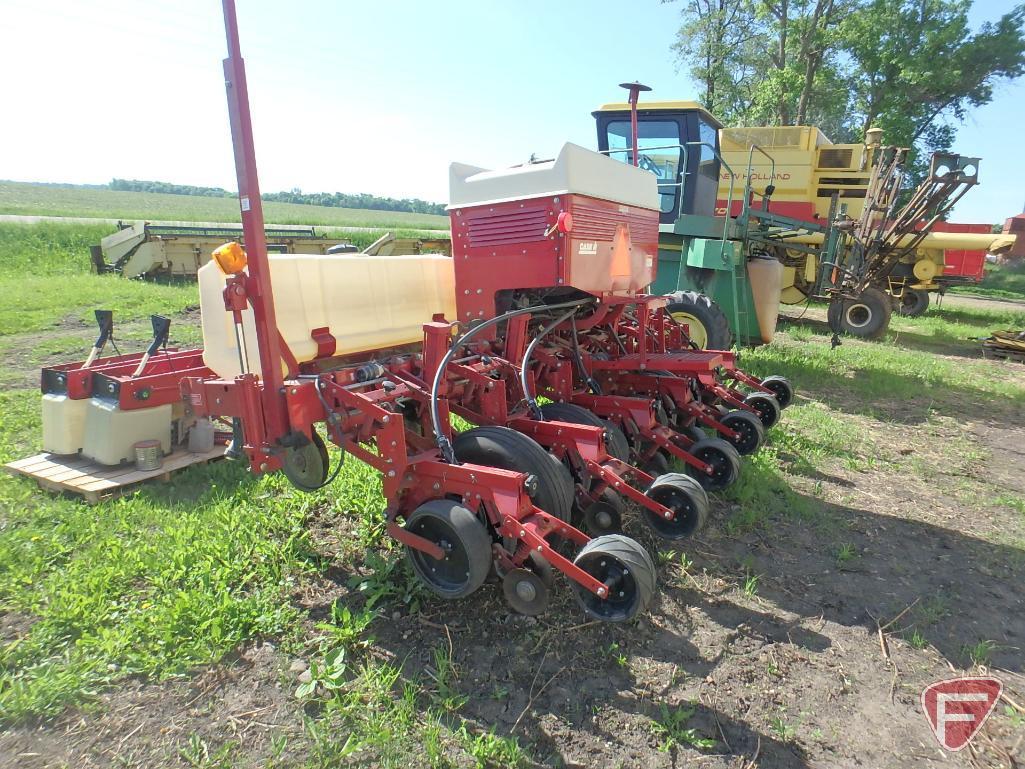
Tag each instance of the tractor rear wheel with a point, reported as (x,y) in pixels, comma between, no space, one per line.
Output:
(464,540)
(913,302)
(627,571)
(507,449)
(707,325)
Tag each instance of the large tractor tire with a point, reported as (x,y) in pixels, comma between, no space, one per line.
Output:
(708,327)
(913,302)
(867,316)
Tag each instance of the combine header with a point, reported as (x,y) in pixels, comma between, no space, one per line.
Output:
(537,330)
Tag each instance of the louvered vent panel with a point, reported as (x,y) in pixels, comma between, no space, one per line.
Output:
(526,225)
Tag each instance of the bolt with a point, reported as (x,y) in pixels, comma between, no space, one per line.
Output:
(668,514)
(436,486)
(523,532)
(602,592)
(385,420)
(391,473)
(263,467)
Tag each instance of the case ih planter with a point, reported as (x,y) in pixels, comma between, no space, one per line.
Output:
(543,296)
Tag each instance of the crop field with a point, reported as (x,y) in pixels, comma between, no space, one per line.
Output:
(25,199)
(875,545)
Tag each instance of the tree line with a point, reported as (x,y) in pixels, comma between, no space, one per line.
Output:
(329,199)
(914,68)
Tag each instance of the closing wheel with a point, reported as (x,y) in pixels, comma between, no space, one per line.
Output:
(464,540)
(781,388)
(604,516)
(723,458)
(657,465)
(749,428)
(707,324)
(306,467)
(627,571)
(615,439)
(525,592)
(767,407)
(685,497)
(507,449)
(693,432)
(914,302)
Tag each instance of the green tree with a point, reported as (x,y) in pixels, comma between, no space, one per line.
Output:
(911,67)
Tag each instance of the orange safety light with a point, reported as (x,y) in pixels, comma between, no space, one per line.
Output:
(230,258)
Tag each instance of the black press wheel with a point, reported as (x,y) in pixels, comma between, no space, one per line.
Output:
(766,406)
(781,388)
(749,428)
(913,302)
(306,467)
(605,515)
(627,572)
(688,501)
(507,449)
(464,540)
(723,458)
(615,440)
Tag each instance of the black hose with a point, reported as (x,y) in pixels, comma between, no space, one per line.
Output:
(531,400)
(592,385)
(442,440)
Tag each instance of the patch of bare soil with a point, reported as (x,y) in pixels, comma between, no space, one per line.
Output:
(247,701)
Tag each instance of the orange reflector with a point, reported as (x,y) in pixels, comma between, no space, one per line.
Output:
(230,258)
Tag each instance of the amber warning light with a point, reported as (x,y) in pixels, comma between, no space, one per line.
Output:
(230,258)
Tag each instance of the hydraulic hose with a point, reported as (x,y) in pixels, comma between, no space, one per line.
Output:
(442,440)
(531,400)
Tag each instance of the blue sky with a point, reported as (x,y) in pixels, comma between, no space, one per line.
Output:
(360,97)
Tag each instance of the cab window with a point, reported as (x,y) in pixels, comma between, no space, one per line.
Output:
(658,150)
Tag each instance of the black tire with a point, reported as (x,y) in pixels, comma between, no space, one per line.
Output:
(693,432)
(615,440)
(605,516)
(625,562)
(833,316)
(657,465)
(913,302)
(781,388)
(751,431)
(306,467)
(507,449)
(868,315)
(767,407)
(711,321)
(686,498)
(468,557)
(724,460)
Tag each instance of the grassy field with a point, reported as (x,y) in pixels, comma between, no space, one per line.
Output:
(999,282)
(223,620)
(48,200)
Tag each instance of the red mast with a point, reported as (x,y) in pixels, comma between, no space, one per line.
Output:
(258,284)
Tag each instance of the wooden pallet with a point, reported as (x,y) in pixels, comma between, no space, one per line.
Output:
(94,482)
(1000,352)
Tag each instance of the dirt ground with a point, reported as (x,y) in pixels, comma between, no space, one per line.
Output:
(816,665)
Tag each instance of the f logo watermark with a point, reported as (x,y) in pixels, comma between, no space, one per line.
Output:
(958,707)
